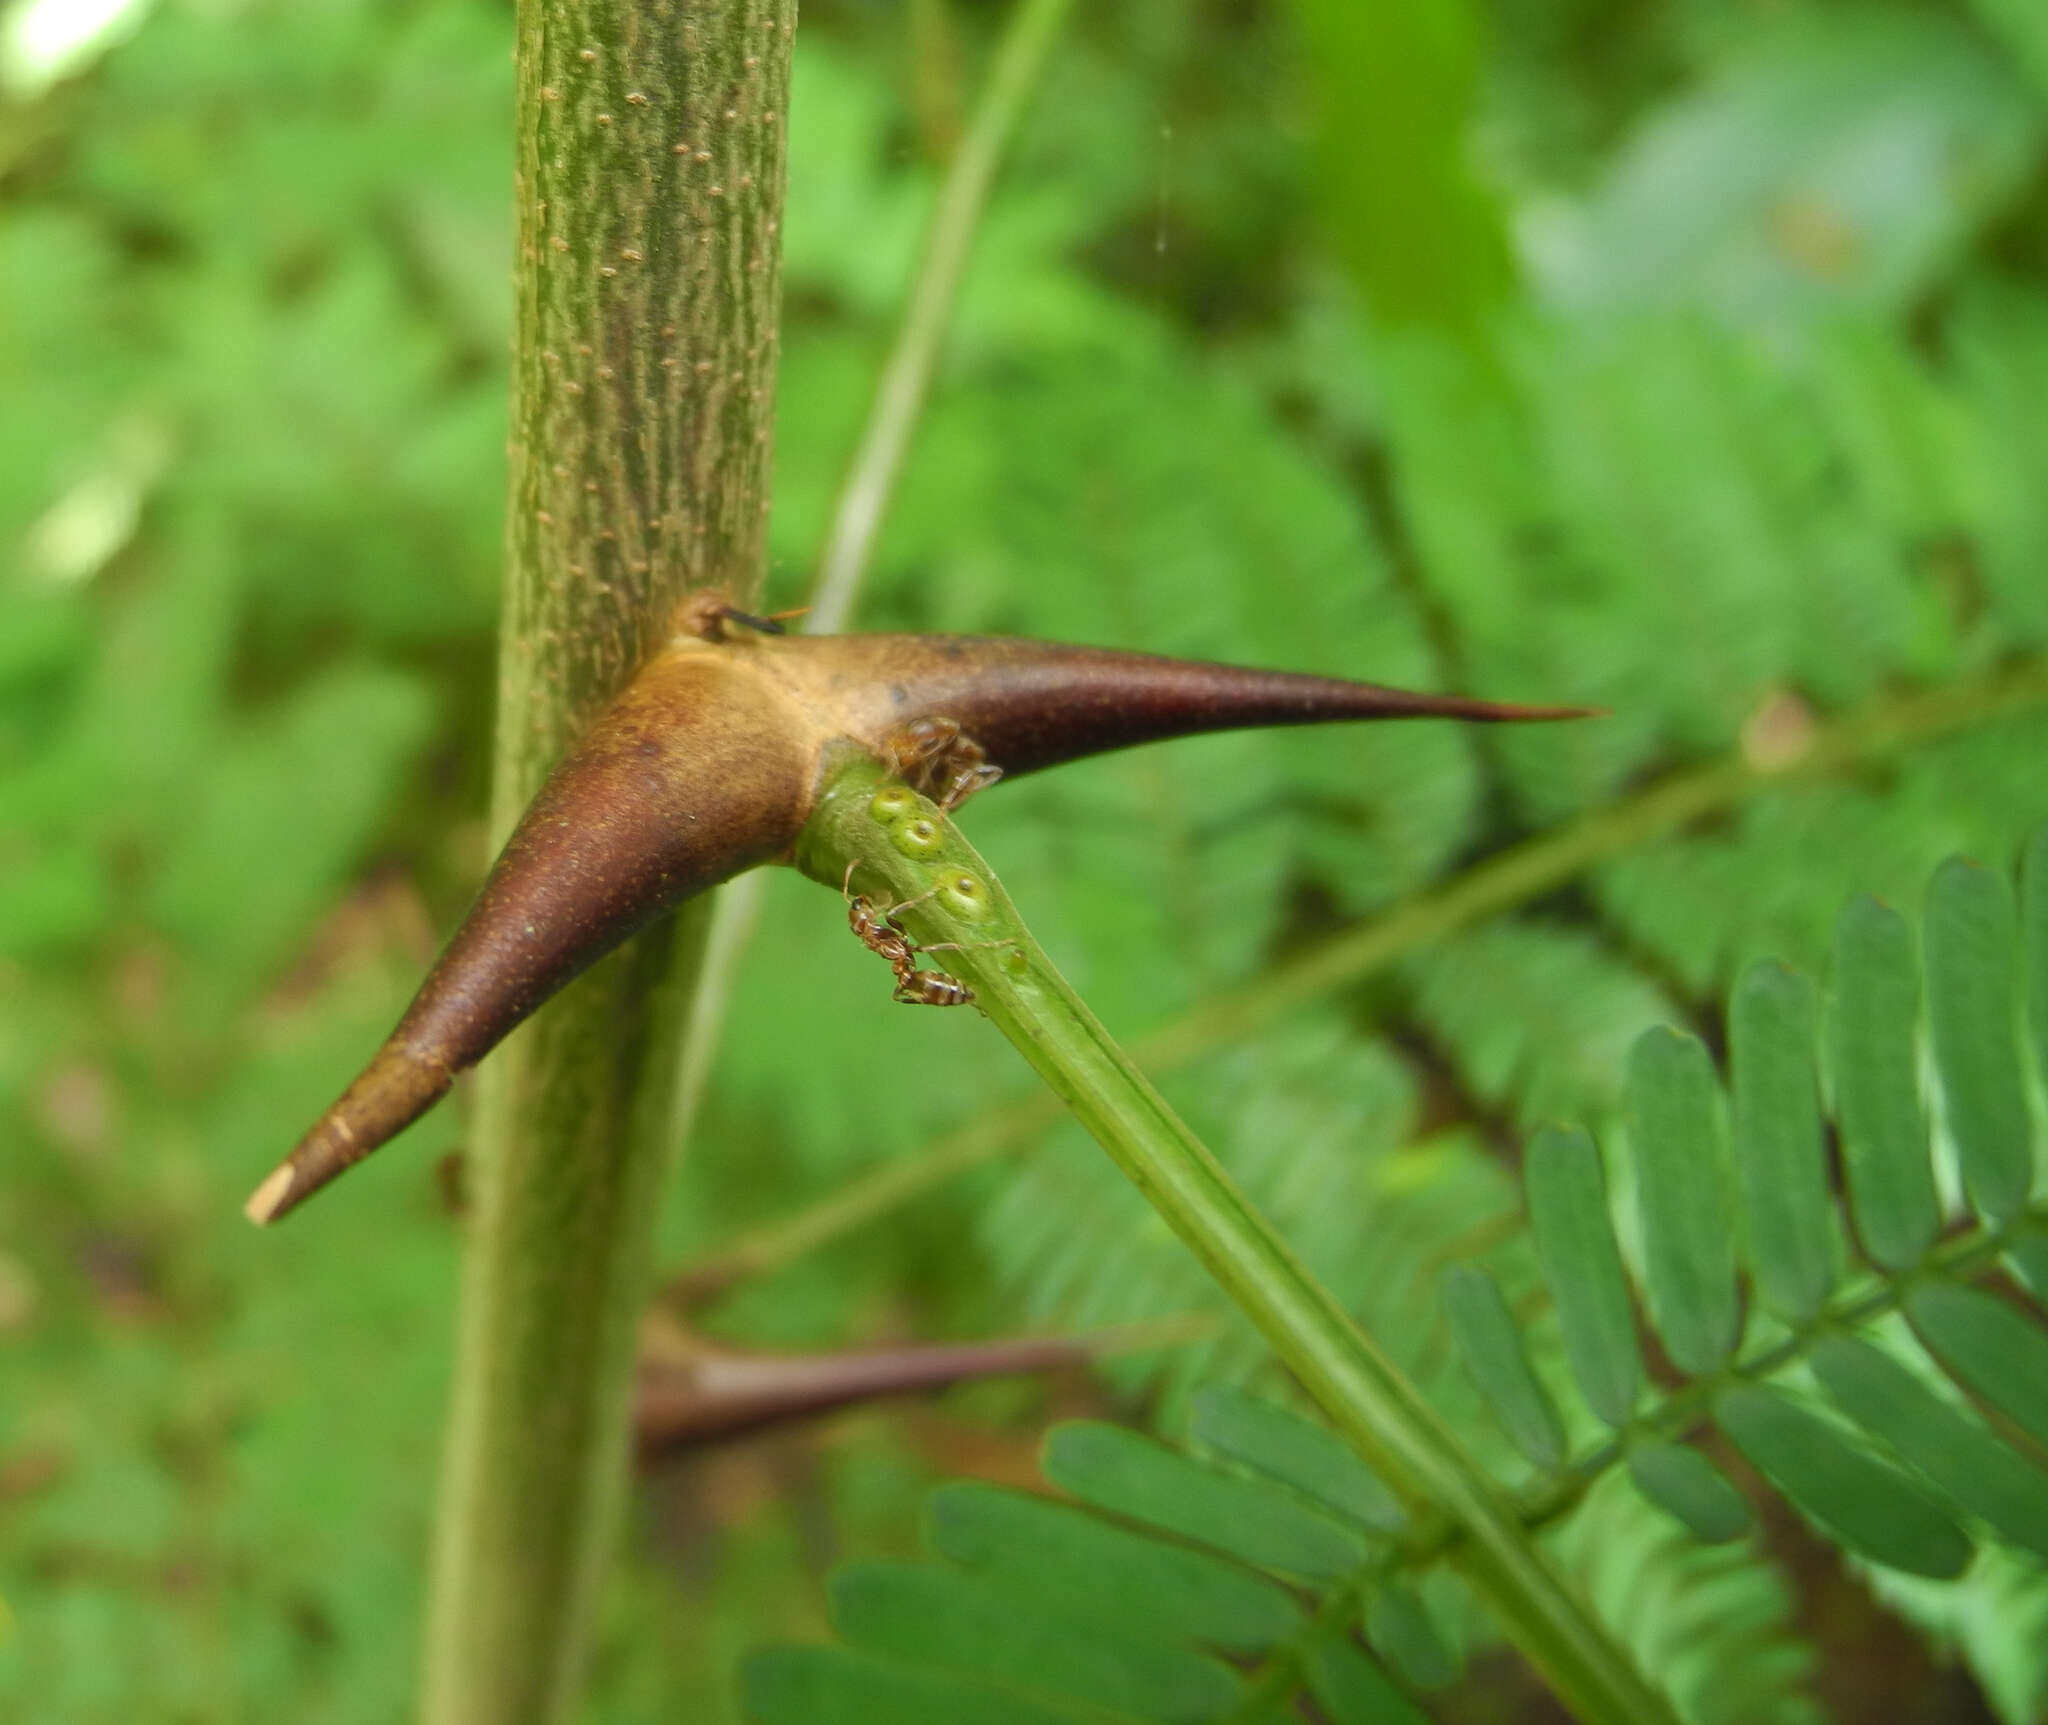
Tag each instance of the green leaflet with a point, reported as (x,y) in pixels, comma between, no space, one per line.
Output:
(923,1615)
(1944,1442)
(1143,1479)
(1863,1503)
(1988,1347)
(1404,1634)
(1295,1451)
(1780,1153)
(1575,1240)
(1685,1483)
(1035,1546)
(1871,1021)
(1060,1609)
(1490,1341)
(1353,1690)
(1675,1140)
(1972,940)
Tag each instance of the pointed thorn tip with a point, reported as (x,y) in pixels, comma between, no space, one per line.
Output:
(267,1202)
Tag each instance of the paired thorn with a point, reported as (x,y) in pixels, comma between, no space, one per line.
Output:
(711,760)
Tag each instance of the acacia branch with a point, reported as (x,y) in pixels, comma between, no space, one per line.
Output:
(649,181)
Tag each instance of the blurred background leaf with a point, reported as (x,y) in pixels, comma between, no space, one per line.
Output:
(1686,360)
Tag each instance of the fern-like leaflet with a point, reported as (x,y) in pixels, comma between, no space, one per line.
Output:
(1859,1349)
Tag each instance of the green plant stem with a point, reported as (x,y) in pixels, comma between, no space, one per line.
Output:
(1514,877)
(918,862)
(900,392)
(649,190)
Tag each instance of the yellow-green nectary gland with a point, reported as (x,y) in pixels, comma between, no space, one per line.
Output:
(920,838)
(965,897)
(891,803)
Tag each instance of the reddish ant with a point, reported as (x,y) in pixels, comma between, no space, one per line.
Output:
(934,756)
(931,988)
(883,938)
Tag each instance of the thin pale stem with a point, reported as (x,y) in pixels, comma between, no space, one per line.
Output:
(649,192)
(1515,877)
(901,840)
(899,397)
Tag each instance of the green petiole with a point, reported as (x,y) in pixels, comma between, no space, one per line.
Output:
(904,851)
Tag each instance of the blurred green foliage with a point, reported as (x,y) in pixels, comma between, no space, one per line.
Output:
(1745,435)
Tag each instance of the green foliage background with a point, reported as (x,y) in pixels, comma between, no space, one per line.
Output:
(1687,360)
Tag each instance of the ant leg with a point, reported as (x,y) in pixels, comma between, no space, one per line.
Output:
(910,903)
(965,779)
(966,945)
